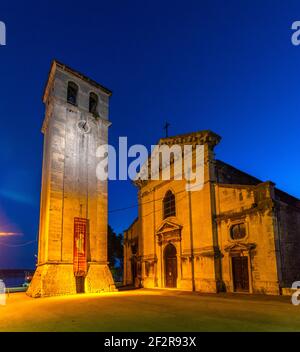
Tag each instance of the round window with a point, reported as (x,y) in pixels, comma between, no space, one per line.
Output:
(238,231)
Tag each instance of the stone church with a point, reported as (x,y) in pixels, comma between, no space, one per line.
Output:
(236,234)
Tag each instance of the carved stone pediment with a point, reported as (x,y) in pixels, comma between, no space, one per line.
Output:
(169,231)
(168,225)
(167,237)
(239,247)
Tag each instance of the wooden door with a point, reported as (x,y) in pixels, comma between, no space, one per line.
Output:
(171,272)
(79,284)
(170,266)
(240,274)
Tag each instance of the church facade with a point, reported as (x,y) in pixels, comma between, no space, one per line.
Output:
(236,234)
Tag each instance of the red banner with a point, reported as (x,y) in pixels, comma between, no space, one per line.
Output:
(80,246)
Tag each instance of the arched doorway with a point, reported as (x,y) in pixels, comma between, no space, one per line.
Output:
(170,266)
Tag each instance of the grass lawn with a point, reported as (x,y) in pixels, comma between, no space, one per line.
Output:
(149,310)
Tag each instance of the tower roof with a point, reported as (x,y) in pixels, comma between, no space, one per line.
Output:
(56,63)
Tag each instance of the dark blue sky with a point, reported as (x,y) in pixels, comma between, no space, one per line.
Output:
(223,65)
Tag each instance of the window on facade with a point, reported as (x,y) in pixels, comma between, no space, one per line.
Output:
(169,205)
(72,93)
(238,231)
(93,103)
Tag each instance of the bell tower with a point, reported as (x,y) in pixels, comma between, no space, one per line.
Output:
(72,253)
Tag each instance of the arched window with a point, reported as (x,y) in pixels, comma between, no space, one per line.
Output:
(169,205)
(238,231)
(93,103)
(72,93)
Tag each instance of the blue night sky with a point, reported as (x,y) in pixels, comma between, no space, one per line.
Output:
(223,65)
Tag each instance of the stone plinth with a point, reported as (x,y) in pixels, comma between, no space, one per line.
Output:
(59,279)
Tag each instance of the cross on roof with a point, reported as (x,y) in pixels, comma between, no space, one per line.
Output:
(166,127)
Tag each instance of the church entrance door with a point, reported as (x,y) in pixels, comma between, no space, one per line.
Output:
(240,274)
(170,266)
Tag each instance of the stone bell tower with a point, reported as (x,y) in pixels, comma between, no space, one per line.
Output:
(72,254)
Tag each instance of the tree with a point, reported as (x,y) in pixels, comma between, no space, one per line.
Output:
(115,252)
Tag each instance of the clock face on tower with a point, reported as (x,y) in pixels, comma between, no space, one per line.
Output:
(83,126)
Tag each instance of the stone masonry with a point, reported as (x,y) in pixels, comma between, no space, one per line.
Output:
(70,187)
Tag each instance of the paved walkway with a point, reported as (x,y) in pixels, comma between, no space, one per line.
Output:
(150,310)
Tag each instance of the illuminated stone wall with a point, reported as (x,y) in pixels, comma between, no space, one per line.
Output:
(252,206)
(288,234)
(191,231)
(201,229)
(70,187)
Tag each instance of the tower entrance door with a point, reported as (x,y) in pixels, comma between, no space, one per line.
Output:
(79,284)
